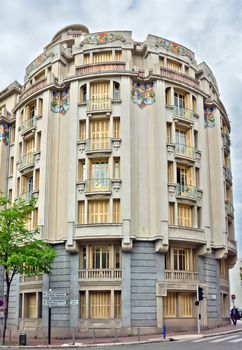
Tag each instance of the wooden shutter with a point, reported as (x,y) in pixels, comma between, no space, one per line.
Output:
(169,305)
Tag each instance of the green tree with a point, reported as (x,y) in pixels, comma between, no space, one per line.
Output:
(20,251)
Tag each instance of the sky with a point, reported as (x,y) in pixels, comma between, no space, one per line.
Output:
(210,28)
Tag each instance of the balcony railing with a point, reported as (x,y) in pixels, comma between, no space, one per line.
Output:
(97,274)
(98,185)
(185,150)
(98,104)
(186,190)
(183,78)
(100,67)
(229,208)
(98,144)
(26,195)
(37,86)
(227,174)
(183,113)
(27,279)
(26,161)
(27,125)
(181,275)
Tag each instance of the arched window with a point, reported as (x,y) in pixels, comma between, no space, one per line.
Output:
(168,96)
(83,93)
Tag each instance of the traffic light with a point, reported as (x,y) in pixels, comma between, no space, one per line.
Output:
(200,293)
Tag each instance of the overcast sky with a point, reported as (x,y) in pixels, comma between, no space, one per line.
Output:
(210,28)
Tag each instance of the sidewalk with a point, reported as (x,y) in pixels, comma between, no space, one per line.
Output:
(92,342)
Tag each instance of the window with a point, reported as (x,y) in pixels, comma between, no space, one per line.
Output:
(168,132)
(99,175)
(224,268)
(37,174)
(18,186)
(82,305)
(116,127)
(12,137)
(99,134)
(117,257)
(27,184)
(83,258)
(30,147)
(196,139)
(197,176)
(86,58)
(100,257)
(31,305)
(117,304)
(82,170)
(179,305)
(98,212)
(116,90)
(161,61)
(116,168)
(11,163)
(181,102)
(169,305)
(194,104)
(171,214)
(184,142)
(184,215)
(199,217)
(116,211)
(81,212)
(170,173)
(184,176)
(118,55)
(82,130)
(83,94)
(38,141)
(174,65)
(225,305)
(105,56)
(40,106)
(35,219)
(186,69)
(168,96)
(100,304)
(181,259)
(100,95)
(10,195)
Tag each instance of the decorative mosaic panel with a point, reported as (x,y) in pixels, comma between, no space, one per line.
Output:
(209,117)
(60,102)
(4,133)
(143,94)
(175,48)
(39,60)
(102,38)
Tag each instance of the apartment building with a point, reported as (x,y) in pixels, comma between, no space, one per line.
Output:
(126,147)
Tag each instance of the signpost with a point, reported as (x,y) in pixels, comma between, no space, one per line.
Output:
(54,298)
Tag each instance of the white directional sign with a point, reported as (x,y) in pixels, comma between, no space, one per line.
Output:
(51,302)
(74,301)
(55,294)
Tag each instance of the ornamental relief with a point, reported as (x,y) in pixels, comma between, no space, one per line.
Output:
(143,94)
(102,38)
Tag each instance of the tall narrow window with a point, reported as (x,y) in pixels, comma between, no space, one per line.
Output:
(116,168)
(40,106)
(98,211)
(81,212)
(35,220)
(116,127)
(10,195)
(105,56)
(86,58)
(116,211)
(30,146)
(118,55)
(171,214)
(186,304)
(82,130)
(170,173)
(36,184)
(194,104)
(170,305)
(199,217)
(100,304)
(82,170)
(174,65)
(38,141)
(83,304)
(83,257)
(11,166)
(184,215)
(83,94)
(12,133)
(168,96)
(161,61)
(100,96)
(168,132)
(116,90)
(117,304)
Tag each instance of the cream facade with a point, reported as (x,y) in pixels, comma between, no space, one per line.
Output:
(126,148)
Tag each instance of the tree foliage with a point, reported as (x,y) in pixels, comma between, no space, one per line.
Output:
(21,249)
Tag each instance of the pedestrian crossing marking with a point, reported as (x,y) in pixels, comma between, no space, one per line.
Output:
(223,339)
(206,339)
(235,340)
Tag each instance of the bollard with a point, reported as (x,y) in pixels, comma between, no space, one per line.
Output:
(73,337)
(164,331)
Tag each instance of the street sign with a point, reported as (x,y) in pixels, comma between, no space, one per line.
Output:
(74,302)
(55,294)
(233,296)
(51,302)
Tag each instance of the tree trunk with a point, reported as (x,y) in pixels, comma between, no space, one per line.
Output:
(6,303)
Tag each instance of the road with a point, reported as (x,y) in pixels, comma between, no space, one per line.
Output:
(221,342)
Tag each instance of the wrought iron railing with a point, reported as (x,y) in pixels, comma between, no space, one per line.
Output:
(27,124)
(181,275)
(100,274)
(96,144)
(185,150)
(227,174)
(26,195)
(183,113)
(186,190)
(26,161)
(99,104)
(96,185)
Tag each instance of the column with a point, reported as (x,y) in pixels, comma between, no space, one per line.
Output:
(74,291)
(126,290)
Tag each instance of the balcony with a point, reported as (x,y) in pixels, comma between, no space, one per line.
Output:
(35,87)
(98,145)
(187,191)
(227,174)
(99,105)
(30,279)
(100,275)
(183,114)
(169,74)
(27,126)
(98,185)
(185,151)
(100,67)
(26,161)
(181,275)
(26,196)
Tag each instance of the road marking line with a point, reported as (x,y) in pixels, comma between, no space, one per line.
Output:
(235,340)
(223,339)
(207,339)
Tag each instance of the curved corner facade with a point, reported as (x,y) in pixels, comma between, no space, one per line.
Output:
(126,147)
